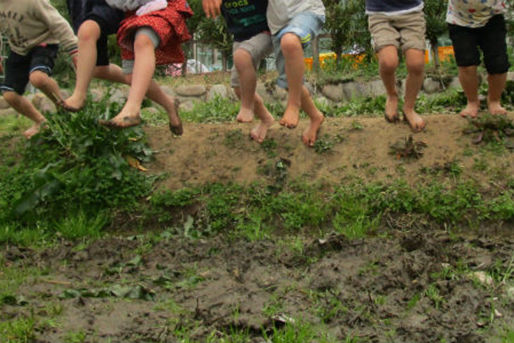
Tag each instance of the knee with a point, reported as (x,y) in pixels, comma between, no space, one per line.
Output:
(468,70)
(416,67)
(242,59)
(290,43)
(143,42)
(38,79)
(11,97)
(498,64)
(89,31)
(388,65)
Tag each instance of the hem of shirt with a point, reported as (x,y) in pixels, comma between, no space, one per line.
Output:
(393,13)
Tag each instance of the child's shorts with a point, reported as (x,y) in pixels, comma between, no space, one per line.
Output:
(405,31)
(18,68)
(306,26)
(491,40)
(259,46)
(108,19)
(128,65)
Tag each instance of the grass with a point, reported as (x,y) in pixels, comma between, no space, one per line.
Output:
(21,330)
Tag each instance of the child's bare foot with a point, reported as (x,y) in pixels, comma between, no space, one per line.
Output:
(126,118)
(34,129)
(175,122)
(245,115)
(259,132)
(74,103)
(311,133)
(290,118)
(471,110)
(416,123)
(495,108)
(391,109)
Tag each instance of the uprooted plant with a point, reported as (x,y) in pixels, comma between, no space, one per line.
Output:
(76,164)
(491,129)
(407,148)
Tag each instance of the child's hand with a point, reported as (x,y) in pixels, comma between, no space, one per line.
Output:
(211,8)
(152,6)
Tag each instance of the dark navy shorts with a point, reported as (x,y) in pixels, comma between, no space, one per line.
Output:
(18,68)
(107,18)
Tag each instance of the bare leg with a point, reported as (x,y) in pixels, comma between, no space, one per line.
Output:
(469,81)
(155,93)
(293,54)
(388,62)
(496,87)
(111,72)
(25,107)
(310,135)
(144,67)
(415,69)
(248,81)
(88,35)
(47,85)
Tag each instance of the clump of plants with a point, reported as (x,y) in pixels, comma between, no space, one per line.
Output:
(491,129)
(407,148)
(76,165)
(326,143)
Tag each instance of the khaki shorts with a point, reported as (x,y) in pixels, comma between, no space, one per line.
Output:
(259,46)
(405,31)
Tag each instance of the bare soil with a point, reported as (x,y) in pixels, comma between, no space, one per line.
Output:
(224,152)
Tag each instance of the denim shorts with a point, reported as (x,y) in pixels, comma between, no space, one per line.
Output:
(306,26)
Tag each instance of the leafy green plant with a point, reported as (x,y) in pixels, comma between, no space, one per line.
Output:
(76,165)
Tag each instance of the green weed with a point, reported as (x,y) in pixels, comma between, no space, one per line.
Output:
(218,110)
(20,330)
(234,139)
(81,225)
(270,146)
(324,144)
(432,293)
(75,337)
(298,333)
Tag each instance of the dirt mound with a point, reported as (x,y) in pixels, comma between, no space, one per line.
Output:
(347,147)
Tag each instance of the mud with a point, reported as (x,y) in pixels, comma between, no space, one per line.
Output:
(377,289)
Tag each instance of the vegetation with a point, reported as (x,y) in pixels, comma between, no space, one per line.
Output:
(435,16)
(76,167)
(89,237)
